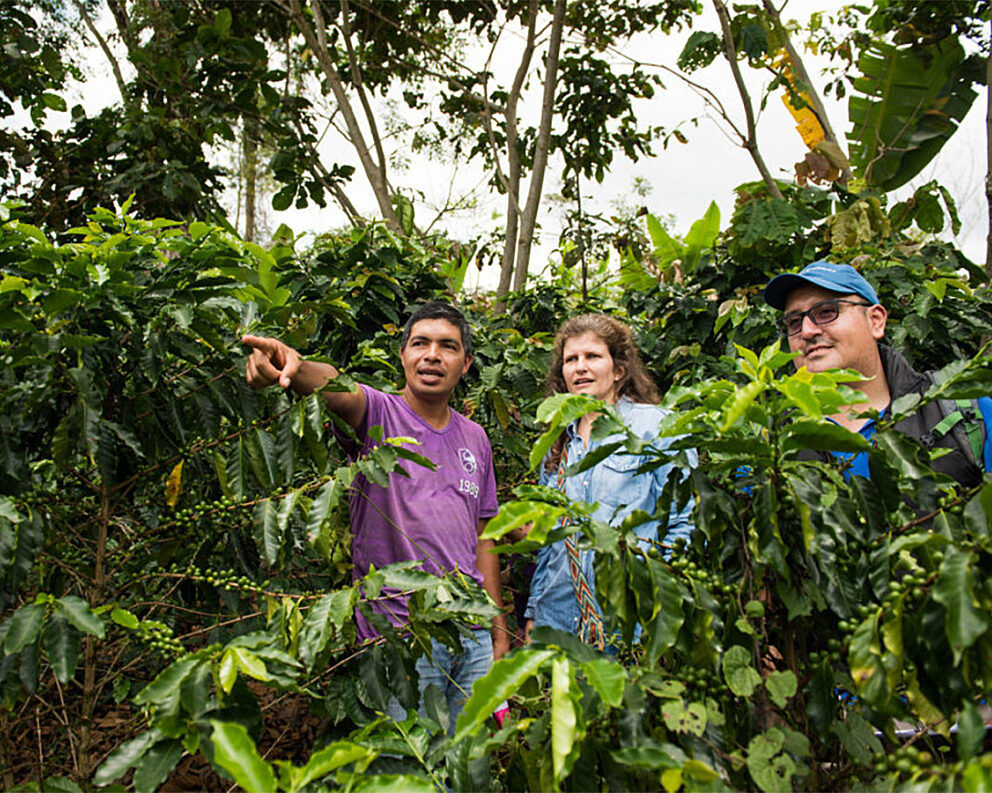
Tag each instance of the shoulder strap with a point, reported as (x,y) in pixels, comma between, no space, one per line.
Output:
(590,621)
(962,419)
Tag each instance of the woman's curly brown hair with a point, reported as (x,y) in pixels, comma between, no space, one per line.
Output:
(635,383)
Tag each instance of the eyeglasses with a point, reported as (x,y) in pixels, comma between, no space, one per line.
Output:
(823,313)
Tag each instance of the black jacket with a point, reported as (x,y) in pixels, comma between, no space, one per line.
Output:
(903,379)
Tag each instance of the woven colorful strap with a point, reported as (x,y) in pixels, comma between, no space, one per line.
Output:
(590,623)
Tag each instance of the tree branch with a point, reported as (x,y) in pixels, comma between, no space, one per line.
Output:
(799,70)
(487,109)
(529,219)
(513,158)
(249,171)
(121,86)
(320,173)
(119,13)
(440,54)
(356,79)
(316,39)
(751,141)
(704,93)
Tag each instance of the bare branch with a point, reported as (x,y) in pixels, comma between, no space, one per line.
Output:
(319,172)
(704,93)
(529,219)
(751,141)
(356,79)
(118,77)
(316,39)
(513,211)
(487,116)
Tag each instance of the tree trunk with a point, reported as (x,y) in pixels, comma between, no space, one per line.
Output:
(356,80)
(512,221)
(250,172)
(115,67)
(582,240)
(512,183)
(751,142)
(799,70)
(529,216)
(316,39)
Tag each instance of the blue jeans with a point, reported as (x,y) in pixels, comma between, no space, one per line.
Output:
(452,673)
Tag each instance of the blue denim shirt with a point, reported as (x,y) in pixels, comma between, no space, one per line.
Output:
(613,485)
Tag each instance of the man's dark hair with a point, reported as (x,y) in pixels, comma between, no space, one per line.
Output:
(438,310)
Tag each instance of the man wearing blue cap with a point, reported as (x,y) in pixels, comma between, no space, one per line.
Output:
(834,321)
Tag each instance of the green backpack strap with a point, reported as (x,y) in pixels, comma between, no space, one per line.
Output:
(962,410)
(963,419)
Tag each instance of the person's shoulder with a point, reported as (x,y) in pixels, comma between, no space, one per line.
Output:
(643,418)
(647,408)
(370,390)
(373,394)
(642,411)
(466,423)
(382,406)
(468,426)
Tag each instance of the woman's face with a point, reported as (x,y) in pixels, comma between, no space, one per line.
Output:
(588,367)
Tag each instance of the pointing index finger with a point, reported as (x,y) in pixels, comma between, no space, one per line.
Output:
(256,342)
(291,365)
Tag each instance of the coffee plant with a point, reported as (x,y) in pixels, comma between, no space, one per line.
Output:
(177,598)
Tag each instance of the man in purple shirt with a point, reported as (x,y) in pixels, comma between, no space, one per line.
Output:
(431,516)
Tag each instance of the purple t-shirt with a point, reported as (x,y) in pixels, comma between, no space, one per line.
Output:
(431,516)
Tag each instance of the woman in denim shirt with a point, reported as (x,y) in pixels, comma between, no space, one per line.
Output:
(595,355)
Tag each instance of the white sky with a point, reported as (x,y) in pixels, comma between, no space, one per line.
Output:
(683,179)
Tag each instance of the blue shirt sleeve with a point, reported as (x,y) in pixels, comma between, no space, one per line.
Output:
(543,477)
(679,521)
(985,405)
(539,580)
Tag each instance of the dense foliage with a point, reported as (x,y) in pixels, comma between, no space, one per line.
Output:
(148,490)
(177,605)
(175,545)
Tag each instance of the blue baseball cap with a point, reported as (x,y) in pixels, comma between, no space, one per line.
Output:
(840,278)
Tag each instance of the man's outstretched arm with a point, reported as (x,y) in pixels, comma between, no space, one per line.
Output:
(272,362)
